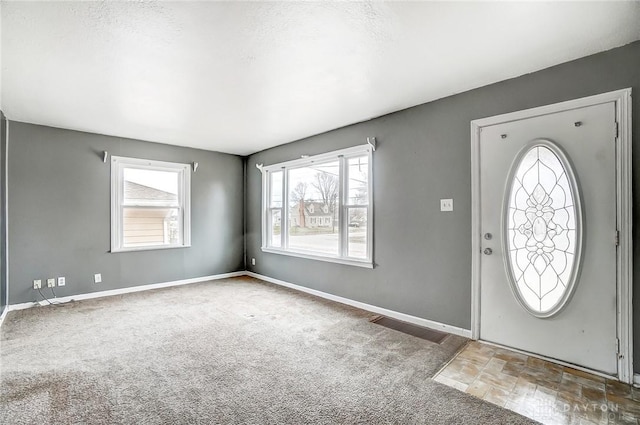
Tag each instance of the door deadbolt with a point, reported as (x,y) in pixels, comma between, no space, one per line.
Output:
(488,251)
(488,236)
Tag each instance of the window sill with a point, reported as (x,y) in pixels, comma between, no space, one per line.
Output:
(347,261)
(147,248)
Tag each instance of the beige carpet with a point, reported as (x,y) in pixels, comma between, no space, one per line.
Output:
(235,351)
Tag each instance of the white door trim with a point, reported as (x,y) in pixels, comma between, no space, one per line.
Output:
(624,266)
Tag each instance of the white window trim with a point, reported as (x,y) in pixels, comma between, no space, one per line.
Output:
(342,155)
(118,164)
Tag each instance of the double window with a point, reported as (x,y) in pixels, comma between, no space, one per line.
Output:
(320,207)
(150,204)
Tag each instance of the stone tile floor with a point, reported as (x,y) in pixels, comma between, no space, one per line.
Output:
(543,391)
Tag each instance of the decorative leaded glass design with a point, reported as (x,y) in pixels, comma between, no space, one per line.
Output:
(543,229)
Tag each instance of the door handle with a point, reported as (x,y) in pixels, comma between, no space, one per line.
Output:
(488,251)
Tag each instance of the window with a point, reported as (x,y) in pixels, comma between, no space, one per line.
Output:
(150,204)
(543,229)
(320,207)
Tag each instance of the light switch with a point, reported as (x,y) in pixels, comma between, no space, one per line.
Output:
(446,204)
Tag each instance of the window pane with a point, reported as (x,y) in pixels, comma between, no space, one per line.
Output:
(150,226)
(275,228)
(357,244)
(276,189)
(542,234)
(358,184)
(150,187)
(313,208)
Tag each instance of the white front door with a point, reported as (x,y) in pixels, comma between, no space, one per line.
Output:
(548,235)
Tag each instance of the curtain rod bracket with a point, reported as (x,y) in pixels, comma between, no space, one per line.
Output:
(371,141)
(259,167)
(105,155)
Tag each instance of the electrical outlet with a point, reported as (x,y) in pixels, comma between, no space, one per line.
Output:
(62,281)
(37,283)
(253,261)
(446,204)
(97,278)
(51,283)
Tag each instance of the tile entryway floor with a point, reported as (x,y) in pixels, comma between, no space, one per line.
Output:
(540,390)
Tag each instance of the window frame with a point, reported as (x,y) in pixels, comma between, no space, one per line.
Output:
(342,155)
(118,164)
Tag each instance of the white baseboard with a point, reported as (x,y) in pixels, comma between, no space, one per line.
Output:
(368,307)
(4,314)
(120,291)
(375,309)
(372,308)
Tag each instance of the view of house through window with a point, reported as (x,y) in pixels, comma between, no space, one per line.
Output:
(149,204)
(150,208)
(326,205)
(313,208)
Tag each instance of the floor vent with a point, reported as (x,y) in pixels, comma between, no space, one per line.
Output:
(408,328)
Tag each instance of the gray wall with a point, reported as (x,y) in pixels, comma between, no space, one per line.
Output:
(59,214)
(3,213)
(423,256)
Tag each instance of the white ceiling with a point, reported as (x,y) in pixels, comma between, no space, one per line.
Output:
(242,77)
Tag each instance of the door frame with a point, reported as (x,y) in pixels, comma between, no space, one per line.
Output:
(624,217)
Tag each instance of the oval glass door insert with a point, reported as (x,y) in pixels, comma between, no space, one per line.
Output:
(543,234)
